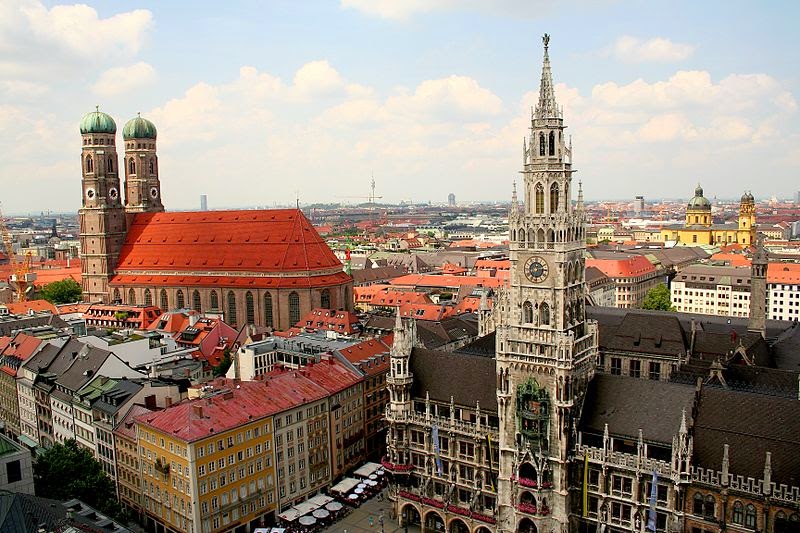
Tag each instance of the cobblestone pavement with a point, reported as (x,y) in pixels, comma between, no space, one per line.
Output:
(358,520)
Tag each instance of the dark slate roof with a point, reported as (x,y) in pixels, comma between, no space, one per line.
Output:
(433,334)
(371,275)
(786,349)
(113,399)
(83,366)
(484,346)
(467,378)
(23,513)
(645,333)
(752,425)
(630,404)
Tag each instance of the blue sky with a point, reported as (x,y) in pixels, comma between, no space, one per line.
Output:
(256,102)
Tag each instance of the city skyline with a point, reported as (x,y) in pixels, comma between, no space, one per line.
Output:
(258,102)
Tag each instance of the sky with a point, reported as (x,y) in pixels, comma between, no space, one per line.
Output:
(259,103)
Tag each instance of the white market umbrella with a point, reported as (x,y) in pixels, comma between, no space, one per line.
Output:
(321,513)
(307,520)
(373,477)
(334,506)
(353,497)
(372,483)
(359,490)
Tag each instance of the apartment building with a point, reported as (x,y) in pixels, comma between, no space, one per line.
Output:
(712,290)
(783,291)
(633,275)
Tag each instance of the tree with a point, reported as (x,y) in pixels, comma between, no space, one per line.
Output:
(62,292)
(224,365)
(658,298)
(67,471)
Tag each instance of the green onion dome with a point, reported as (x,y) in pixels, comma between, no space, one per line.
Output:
(699,201)
(139,128)
(98,122)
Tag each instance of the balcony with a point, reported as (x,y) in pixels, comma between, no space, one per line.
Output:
(395,467)
(162,468)
(526,508)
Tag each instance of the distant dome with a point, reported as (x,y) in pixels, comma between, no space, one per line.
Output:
(747,197)
(139,128)
(97,122)
(699,201)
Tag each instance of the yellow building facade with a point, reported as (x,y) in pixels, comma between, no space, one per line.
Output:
(212,473)
(699,228)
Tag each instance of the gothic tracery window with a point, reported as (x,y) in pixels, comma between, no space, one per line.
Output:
(250,308)
(214,300)
(148,297)
(541,143)
(738,513)
(180,303)
(89,164)
(132,166)
(110,165)
(196,300)
(325,299)
(164,300)
(268,320)
(152,166)
(554,198)
(231,308)
(131,297)
(527,313)
(544,314)
(539,201)
(552,144)
(294,308)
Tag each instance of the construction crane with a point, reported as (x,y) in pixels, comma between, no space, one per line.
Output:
(21,280)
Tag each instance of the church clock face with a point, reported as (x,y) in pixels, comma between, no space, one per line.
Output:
(112,193)
(154,192)
(536,269)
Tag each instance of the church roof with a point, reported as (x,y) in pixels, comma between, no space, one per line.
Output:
(257,248)
(466,377)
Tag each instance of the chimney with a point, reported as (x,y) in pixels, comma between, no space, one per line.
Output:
(193,318)
(168,401)
(197,409)
(150,402)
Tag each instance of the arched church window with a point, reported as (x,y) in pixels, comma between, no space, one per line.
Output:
(750,516)
(554,198)
(196,305)
(250,308)
(325,299)
(566,197)
(117,296)
(231,308)
(214,299)
(539,198)
(551,236)
(89,164)
(131,297)
(164,300)
(110,164)
(522,236)
(268,321)
(697,507)
(540,236)
(708,509)
(738,513)
(148,297)
(294,308)
(544,314)
(552,144)
(152,167)
(131,166)
(180,302)
(527,313)
(541,143)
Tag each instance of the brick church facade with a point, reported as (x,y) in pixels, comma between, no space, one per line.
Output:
(264,267)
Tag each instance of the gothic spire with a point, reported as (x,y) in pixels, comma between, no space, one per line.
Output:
(547,107)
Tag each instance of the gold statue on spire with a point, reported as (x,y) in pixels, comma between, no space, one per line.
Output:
(546,39)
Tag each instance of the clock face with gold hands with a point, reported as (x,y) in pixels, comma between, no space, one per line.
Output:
(536,269)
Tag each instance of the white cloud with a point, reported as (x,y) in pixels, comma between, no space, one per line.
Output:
(119,80)
(61,42)
(402,10)
(657,49)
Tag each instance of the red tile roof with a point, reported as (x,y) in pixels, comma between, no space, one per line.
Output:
(426,311)
(22,308)
(788,273)
(340,321)
(20,347)
(383,295)
(365,355)
(626,267)
(276,241)
(434,280)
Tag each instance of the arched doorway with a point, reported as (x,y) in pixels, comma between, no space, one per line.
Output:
(483,530)
(526,525)
(409,516)
(458,526)
(434,522)
(527,471)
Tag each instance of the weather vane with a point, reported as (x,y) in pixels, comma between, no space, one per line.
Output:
(546,39)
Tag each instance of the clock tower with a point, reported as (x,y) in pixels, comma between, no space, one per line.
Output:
(545,347)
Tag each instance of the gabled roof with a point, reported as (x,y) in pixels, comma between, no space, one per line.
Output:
(761,424)
(466,377)
(629,404)
(262,241)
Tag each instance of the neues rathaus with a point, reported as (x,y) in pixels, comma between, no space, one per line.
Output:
(562,418)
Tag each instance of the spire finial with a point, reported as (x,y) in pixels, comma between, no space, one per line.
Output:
(139,114)
(97,108)
(547,107)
